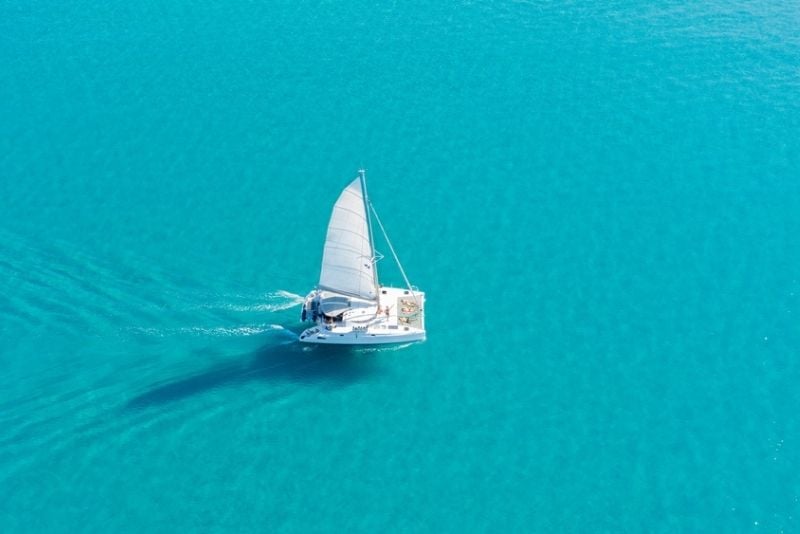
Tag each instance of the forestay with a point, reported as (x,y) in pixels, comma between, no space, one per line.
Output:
(347,259)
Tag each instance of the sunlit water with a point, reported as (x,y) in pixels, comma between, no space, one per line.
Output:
(601,202)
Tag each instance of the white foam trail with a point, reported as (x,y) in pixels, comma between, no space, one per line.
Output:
(285,300)
(256,307)
(216,331)
(289,295)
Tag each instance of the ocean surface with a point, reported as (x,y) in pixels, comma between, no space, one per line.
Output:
(601,200)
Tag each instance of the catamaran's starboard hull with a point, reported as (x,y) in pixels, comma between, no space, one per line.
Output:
(326,337)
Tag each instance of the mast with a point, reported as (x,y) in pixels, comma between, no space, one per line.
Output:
(362,172)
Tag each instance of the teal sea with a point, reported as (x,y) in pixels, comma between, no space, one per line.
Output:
(601,200)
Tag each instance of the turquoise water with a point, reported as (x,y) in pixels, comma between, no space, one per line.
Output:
(601,201)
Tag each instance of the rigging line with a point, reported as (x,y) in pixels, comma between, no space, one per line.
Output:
(394,254)
(362,173)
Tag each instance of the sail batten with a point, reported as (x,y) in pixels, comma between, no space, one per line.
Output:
(347,258)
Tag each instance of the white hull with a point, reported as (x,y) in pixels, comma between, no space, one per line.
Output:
(325,337)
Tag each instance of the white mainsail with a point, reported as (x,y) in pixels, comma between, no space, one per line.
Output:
(348,258)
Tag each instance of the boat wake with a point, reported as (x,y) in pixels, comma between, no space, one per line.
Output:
(233,325)
(270,302)
(216,331)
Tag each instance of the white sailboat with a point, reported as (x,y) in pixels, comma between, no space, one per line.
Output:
(349,306)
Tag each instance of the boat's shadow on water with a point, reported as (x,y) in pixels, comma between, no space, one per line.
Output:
(287,362)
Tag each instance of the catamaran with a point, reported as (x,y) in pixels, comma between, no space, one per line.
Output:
(349,306)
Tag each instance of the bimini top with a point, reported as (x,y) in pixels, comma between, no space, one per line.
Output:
(332,304)
(347,259)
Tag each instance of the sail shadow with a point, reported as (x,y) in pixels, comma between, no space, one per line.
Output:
(287,362)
